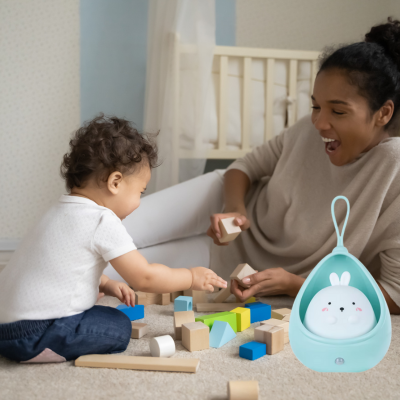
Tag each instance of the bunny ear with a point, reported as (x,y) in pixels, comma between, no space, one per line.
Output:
(345,278)
(334,279)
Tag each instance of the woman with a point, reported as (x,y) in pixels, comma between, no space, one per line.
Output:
(281,192)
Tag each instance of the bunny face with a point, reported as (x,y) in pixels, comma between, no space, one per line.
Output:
(340,311)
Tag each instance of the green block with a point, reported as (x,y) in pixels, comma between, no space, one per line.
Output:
(228,317)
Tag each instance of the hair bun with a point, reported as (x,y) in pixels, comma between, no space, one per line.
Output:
(388,36)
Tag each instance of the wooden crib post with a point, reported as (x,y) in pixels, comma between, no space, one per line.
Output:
(246,104)
(269,98)
(292,93)
(176,122)
(313,76)
(223,102)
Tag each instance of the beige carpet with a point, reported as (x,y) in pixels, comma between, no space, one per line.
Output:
(280,376)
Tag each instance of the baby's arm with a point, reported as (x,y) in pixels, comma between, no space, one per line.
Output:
(158,278)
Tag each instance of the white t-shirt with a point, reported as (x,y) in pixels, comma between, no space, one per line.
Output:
(56,270)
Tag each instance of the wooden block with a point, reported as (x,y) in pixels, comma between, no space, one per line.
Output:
(229,231)
(138,363)
(141,298)
(174,295)
(148,299)
(183,303)
(272,336)
(182,317)
(221,333)
(209,307)
(280,313)
(250,300)
(240,272)
(278,322)
(243,390)
(138,330)
(198,296)
(286,318)
(195,336)
(162,346)
(165,299)
(222,295)
(133,313)
(242,318)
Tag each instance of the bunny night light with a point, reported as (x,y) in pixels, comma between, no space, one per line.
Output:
(340,311)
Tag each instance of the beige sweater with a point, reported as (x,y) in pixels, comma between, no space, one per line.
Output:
(289,205)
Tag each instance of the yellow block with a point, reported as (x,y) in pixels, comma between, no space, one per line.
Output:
(242,318)
(250,300)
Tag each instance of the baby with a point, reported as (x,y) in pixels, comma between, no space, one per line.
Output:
(49,288)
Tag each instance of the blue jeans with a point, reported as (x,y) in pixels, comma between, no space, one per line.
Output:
(100,330)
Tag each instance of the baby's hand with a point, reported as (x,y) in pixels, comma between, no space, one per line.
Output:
(121,291)
(205,279)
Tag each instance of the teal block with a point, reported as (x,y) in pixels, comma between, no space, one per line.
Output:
(221,333)
(183,303)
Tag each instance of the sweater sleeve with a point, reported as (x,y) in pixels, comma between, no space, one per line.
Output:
(262,160)
(390,273)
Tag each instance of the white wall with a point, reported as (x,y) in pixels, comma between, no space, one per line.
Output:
(39,106)
(308,24)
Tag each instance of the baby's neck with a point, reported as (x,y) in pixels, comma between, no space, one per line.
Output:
(95,195)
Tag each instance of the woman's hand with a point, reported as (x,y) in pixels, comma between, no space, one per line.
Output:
(120,290)
(215,233)
(270,282)
(206,279)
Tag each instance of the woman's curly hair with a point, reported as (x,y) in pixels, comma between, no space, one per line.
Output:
(105,145)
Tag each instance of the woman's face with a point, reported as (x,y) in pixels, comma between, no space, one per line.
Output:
(343,118)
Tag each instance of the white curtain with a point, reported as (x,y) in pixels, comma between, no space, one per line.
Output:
(187,22)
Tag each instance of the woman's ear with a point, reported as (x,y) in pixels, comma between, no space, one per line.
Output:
(385,113)
(114,182)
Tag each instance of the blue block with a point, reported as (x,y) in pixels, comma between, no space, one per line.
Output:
(252,350)
(133,313)
(221,333)
(183,303)
(259,311)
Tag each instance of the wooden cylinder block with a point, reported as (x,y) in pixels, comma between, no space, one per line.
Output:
(162,346)
(243,390)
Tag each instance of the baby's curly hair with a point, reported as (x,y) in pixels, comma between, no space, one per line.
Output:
(104,145)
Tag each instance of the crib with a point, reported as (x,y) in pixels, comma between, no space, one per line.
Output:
(254,94)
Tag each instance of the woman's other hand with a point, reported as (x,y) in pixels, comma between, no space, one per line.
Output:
(121,291)
(214,231)
(272,281)
(205,279)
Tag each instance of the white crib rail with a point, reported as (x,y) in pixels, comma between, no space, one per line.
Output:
(247,54)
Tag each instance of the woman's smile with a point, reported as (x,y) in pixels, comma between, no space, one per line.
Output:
(331,145)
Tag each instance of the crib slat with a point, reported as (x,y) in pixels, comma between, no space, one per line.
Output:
(269,99)
(314,67)
(292,92)
(246,104)
(223,102)
(176,125)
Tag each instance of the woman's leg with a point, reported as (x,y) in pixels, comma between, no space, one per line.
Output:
(177,212)
(99,330)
